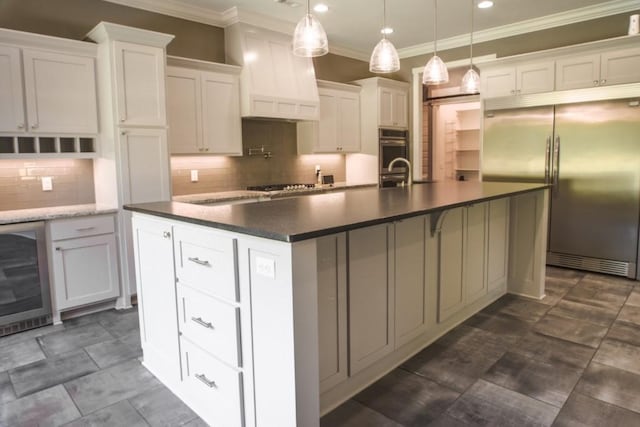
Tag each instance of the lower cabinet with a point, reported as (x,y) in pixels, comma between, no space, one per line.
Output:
(83,260)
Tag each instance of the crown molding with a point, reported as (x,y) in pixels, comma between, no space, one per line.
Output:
(178,9)
(39,41)
(550,21)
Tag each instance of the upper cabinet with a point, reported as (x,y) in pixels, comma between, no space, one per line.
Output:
(140,89)
(12,116)
(518,80)
(338,130)
(608,68)
(393,107)
(203,105)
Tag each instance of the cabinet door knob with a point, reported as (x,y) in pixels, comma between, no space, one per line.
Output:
(166,234)
(58,248)
(595,83)
(513,91)
(20,125)
(34,126)
(603,81)
(122,119)
(122,132)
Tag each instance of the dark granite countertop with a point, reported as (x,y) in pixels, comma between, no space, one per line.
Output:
(298,218)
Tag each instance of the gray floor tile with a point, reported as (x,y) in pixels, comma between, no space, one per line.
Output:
(630,313)
(459,365)
(598,294)
(612,385)
(581,410)
(132,341)
(196,423)
(564,274)
(30,334)
(589,313)
(120,323)
(161,408)
(625,332)
(52,371)
(487,404)
(504,325)
(554,290)
(470,337)
(73,338)
(621,284)
(525,309)
(409,399)
(549,382)
(50,407)
(354,414)
(574,330)
(110,353)
(619,355)
(18,354)
(119,415)
(106,387)
(6,389)
(554,350)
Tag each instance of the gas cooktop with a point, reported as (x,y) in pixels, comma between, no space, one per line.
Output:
(279,187)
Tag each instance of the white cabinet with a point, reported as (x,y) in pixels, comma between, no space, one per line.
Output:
(156,288)
(204,110)
(338,130)
(59,92)
(145,165)
(608,68)
(517,80)
(497,245)
(11,99)
(393,107)
(371,296)
(450,271)
(83,260)
(139,84)
(332,309)
(475,253)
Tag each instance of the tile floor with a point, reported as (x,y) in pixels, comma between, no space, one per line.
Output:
(572,359)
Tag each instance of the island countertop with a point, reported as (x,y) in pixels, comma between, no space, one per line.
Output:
(305,217)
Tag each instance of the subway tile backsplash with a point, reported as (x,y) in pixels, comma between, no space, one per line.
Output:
(21,183)
(220,173)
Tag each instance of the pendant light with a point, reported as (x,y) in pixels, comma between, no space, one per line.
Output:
(435,72)
(309,38)
(471,79)
(384,58)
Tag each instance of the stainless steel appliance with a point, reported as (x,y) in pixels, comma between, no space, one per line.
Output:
(24,281)
(590,152)
(393,143)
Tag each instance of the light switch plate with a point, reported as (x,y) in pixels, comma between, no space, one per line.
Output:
(266,267)
(194,175)
(47,183)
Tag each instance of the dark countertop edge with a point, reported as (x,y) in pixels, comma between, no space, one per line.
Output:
(292,238)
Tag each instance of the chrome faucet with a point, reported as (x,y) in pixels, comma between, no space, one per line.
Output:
(402,159)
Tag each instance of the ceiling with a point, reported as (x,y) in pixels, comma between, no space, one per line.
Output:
(353,25)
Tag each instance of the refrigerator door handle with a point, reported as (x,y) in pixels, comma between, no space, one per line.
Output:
(547,161)
(556,164)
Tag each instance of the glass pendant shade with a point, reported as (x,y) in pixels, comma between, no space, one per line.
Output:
(309,38)
(384,58)
(470,82)
(435,72)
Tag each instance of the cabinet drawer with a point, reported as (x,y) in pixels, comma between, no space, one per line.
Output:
(206,261)
(81,227)
(210,323)
(215,390)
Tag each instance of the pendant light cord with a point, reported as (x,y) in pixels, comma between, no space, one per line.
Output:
(435,28)
(471,46)
(384,19)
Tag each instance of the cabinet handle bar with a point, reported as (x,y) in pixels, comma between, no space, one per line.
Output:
(201,322)
(208,382)
(200,261)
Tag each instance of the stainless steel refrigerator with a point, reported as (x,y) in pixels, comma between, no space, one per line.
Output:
(590,152)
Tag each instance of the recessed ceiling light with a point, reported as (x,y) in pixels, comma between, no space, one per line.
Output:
(484,4)
(386,30)
(321,8)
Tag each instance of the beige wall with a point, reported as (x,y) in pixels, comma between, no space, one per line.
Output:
(21,185)
(219,173)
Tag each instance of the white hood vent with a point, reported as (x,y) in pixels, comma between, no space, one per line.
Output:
(274,83)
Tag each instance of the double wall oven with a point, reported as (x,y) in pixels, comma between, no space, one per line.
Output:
(393,143)
(24,281)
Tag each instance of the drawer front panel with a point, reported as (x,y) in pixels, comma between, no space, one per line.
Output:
(210,323)
(81,227)
(214,388)
(207,262)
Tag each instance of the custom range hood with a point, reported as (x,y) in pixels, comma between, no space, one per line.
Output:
(274,83)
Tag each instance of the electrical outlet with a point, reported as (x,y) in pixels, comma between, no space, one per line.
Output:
(194,175)
(47,183)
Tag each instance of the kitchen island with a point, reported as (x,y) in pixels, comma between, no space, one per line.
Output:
(273,313)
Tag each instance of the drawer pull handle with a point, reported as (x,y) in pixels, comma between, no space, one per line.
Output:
(208,382)
(200,261)
(85,228)
(201,322)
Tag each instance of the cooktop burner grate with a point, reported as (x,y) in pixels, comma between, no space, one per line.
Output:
(279,187)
